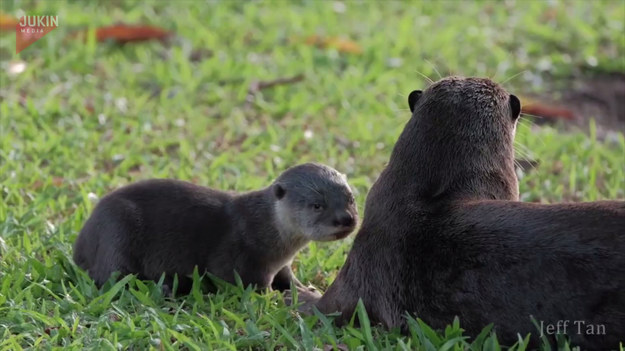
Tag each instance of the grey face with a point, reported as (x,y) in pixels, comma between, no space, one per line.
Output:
(315,201)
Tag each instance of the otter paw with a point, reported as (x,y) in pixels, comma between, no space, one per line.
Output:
(307,297)
(167,291)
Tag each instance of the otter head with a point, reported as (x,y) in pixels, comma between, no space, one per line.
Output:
(459,141)
(314,201)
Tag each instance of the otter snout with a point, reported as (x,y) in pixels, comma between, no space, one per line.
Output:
(344,223)
(345,219)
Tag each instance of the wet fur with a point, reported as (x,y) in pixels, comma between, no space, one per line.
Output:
(444,235)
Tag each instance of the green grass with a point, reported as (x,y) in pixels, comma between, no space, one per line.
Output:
(157,113)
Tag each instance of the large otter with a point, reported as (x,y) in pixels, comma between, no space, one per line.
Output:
(443,233)
(168,226)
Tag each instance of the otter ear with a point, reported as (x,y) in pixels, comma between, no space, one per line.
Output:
(279,191)
(515,106)
(413,98)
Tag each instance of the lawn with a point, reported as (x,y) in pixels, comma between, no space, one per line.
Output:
(84,118)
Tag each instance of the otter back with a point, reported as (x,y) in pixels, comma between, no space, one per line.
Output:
(442,235)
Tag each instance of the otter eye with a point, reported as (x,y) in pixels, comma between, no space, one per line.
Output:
(317,207)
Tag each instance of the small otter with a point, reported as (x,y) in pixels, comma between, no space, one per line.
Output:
(444,235)
(168,226)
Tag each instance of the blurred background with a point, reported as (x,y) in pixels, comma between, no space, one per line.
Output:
(226,92)
(230,93)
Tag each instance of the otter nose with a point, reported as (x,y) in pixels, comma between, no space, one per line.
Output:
(345,220)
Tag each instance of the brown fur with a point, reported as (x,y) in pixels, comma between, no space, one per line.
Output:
(444,235)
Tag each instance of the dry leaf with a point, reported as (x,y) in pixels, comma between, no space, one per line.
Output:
(48,330)
(540,109)
(88,105)
(123,33)
(340,44)
(57,181)
(7,23)
(549,15)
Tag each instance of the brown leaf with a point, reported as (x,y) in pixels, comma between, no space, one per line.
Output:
(48,330)
(124,33)
(88,105)
(37,184)
(114,318)
(340,44)
(549,15)
(539,109)
(340,347)
(7,23)
(57,181)
(557,167)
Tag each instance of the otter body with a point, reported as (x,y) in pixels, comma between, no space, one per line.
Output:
(168,226)
(444,235)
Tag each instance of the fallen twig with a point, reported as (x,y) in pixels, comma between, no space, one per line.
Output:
(257,86)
